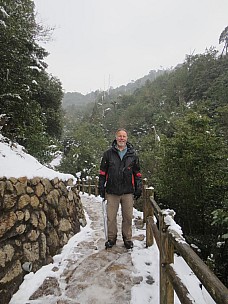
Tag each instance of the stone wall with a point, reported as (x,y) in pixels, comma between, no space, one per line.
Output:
(37,218)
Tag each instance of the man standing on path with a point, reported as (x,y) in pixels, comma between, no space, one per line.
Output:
(120,181)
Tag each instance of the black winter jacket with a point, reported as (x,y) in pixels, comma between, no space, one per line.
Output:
(120,176)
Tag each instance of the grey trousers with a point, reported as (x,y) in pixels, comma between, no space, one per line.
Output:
(113,202)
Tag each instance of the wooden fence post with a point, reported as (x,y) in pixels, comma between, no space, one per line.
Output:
(78,184)
(83,185)
(166,257)
(144,199)
(96,185)
(149,216)
(89,185)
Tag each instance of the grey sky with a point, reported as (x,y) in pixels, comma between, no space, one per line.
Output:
(102,43)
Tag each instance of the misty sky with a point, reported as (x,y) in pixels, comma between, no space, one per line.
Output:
(102,43)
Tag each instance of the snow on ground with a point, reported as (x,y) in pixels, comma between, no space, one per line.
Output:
(145,262)
(15,162)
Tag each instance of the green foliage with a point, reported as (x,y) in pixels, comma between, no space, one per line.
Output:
(191,175)
(29,97)
(220,219)
(83,150)
(220,250)
(224,38)
(49,94)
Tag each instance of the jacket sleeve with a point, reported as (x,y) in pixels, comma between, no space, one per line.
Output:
(137,177)
(102,174)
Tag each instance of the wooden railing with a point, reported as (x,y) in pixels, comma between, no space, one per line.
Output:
(168,239)
(159,226)
(88,185)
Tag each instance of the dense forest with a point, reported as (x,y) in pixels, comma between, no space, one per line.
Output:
(30,98)
(177,120)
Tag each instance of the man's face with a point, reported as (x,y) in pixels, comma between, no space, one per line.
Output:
(121,138)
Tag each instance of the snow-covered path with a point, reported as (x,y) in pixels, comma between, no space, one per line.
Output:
(86,273)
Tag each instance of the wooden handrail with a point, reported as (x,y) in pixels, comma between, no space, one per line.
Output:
(168,239)
(209,280)
(92,188)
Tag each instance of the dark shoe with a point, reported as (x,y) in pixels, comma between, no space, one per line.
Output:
(128,244)
(109,244)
